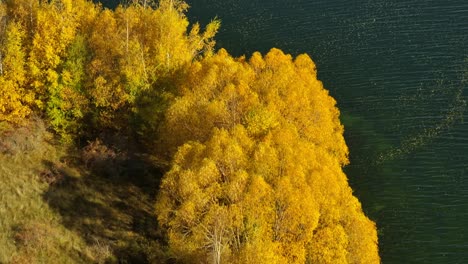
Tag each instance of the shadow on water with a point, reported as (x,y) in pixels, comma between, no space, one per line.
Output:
(365,169)
(107,197)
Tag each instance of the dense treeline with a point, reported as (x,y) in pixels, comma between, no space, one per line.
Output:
(84,67)
(254,145)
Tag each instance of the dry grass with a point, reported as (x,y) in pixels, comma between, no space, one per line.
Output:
(30,231)
(54,209)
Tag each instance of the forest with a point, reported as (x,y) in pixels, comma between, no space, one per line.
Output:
(127,137)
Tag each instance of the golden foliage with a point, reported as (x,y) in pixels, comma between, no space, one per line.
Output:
(14,99)
(256,176)
(122,57)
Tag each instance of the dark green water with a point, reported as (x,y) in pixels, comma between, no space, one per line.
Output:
(399,71)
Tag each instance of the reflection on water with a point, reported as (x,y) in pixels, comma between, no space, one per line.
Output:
(398,70)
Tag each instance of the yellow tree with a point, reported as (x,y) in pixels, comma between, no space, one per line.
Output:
(168,46)
(199,200)
(54,29)
(48,29)
(67,100)
(138,51)
(14,100)
(305,209)
(23,12)
(105,85)
(213,94)
(68,104)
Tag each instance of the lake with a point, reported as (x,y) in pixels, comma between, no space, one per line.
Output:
(399,71)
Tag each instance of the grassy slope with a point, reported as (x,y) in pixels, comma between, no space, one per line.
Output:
(54,208)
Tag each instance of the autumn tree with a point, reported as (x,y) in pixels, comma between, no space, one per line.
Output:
(68,103)
(138,50)
(44,32)
(256,175)
(13,75)
(54,29)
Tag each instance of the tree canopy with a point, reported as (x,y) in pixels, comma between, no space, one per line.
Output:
(256,176)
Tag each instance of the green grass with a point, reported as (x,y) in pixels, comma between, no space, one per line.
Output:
(56,209)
